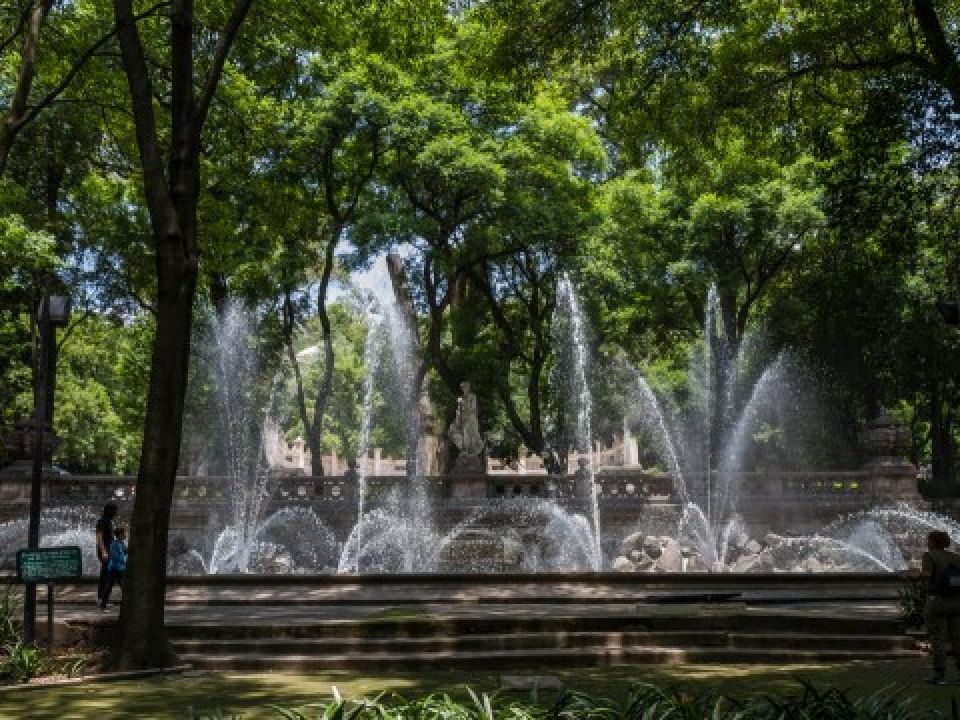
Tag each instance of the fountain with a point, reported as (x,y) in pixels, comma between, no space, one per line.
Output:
(711,534)
(253,541)
(398,536)
(568,308)
(58,526)
(250,520)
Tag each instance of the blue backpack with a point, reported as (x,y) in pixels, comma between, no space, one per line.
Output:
(118,556)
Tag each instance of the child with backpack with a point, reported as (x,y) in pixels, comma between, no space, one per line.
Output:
(116,564)
(941,568)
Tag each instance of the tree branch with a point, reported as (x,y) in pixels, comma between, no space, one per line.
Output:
(229,34)
(159,201)
(943,55)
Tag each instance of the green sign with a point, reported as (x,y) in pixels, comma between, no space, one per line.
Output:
(44,565)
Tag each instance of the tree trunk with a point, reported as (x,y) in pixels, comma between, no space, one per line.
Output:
(288,324)
(14,120)
(942,457)
(325,383)
(143,640)
(172,196)
(219,293)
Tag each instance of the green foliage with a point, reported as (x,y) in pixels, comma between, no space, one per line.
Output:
(912,599)
(22,662)
(643,702)
(801,156)
(10,615)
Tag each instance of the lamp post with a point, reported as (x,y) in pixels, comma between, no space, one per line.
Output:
(53,312)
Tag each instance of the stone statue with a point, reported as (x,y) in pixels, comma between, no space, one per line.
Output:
(464,432)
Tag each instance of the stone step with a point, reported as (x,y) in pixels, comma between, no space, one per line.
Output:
(431,626)
(545,641)
(510,659)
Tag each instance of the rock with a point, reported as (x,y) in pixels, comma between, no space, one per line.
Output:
(752,548)
(739,540)
(621,564)
(647,565)
(772,539)
(652,546)
(637,556)
(631,542)
(765,561)
(811,564)
(671,559)
(746,564)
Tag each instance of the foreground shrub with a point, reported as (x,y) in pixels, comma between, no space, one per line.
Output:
(912,599)
(643,702)
(22,663)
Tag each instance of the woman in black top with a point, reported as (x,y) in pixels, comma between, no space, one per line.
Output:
(942,612)
(104,538)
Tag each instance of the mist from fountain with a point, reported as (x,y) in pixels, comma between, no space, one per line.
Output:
(571,316)
(59,526)
(400,534)
(710,524)
(710,518)
(291,539)
(548,537)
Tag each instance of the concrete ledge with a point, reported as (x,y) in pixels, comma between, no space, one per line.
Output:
(581,578)
(102,677)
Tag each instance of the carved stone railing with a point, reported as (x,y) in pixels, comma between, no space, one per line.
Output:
(625,486)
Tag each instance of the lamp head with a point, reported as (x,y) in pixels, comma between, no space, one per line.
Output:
(58,309)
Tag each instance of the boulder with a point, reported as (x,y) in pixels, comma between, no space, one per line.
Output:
(752,548)
(747,564)
(739,540)
(671,559)
(647,565)
(622,564)
(637,556)
(631,542)
(651,546)
(765,561)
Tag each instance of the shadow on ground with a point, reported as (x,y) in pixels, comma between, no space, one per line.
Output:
(247,695)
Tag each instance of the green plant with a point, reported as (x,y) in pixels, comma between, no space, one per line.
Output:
(215,714)
(72,666)
(23,662)
(643,702)
(912,599)
(9,619)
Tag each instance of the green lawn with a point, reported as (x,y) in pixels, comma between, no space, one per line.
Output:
(170,697)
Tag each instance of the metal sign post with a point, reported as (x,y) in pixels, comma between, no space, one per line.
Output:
(36,566)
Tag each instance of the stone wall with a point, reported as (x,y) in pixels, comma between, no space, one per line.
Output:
(779,502)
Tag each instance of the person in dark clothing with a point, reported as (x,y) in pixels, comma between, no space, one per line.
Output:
(942,611)
(104,539)
(116,564)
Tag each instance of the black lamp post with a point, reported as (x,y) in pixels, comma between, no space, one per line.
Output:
(53,312)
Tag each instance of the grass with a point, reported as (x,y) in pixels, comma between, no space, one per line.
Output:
(169,697)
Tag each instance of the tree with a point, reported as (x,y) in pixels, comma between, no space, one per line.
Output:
(171,198)
(340,147)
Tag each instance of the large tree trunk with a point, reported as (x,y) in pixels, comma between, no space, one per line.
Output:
(943,454)
(144,642)
(172,197)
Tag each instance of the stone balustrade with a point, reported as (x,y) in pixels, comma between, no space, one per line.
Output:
(622,486)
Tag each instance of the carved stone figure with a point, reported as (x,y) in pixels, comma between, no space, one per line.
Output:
(464,432)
